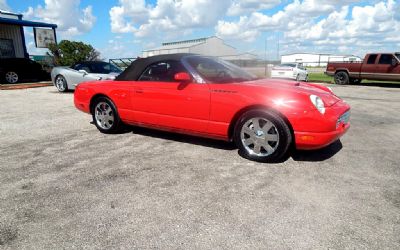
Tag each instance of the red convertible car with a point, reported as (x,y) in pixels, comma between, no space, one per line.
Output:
(209,97)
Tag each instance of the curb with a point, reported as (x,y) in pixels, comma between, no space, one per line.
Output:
(24,85)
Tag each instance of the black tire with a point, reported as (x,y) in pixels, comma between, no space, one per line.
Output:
(341,78)
(281,130)
(297,77)
(60,80)
(103,124)
(12,77)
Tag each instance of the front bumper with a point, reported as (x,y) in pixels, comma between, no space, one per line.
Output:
(338,121)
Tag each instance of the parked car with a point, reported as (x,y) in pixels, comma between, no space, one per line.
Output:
(294,71)
(66,78)
(209,97)
(375,66)
(14,70)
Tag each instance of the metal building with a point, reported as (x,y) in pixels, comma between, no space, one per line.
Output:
(12,38)
(317,60)
(210,46)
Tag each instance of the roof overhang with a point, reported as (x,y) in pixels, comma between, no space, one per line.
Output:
(26,23)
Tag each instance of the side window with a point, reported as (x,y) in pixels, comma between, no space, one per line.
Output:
(76,66)
(82,66)
(372,59)
(162,71)
(385,59)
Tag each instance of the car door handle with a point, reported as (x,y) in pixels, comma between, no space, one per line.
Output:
(139,91)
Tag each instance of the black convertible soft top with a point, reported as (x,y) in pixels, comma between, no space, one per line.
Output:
(133,72)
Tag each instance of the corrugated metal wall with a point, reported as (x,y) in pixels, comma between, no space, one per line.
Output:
(13,32)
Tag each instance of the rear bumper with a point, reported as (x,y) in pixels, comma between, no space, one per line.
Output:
(284,74)
(82,100)
(329,73)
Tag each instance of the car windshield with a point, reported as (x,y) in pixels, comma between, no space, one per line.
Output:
(217,70)
(104,68)
(287,65)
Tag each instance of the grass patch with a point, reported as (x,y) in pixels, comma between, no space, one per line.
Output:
(319,77)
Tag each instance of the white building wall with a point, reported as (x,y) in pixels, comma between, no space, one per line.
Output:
(213,47)
(13,32)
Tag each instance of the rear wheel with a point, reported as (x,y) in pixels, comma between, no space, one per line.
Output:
(11,77)
(105,116)
(341,78)
(262,136)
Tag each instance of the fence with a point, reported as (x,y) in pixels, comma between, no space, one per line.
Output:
(122,63)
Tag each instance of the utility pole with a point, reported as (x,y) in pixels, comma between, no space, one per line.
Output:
(266,63)
(277,51)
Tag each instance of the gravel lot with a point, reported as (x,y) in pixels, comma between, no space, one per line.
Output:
(65,185)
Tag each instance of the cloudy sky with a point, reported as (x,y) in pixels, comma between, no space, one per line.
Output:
(123,28)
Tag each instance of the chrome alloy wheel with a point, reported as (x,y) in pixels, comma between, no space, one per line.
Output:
(11,77)
(260,137)
(61,84)
(104,115)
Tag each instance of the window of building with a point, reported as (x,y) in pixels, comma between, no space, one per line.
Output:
(7,48)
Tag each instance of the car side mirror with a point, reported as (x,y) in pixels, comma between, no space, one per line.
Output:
(182,77)
(83,71)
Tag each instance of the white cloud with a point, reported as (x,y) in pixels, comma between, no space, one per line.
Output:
(4,5)
(323,24)
(67,14)
(165,16)
(239,7)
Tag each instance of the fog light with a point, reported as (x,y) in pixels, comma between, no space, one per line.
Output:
(307,138)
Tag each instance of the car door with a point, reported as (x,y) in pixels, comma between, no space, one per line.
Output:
(369,67)
(388,67)
(161,101)
(74,76)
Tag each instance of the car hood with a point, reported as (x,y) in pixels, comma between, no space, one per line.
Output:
(294,88)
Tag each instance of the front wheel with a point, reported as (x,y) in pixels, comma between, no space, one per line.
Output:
(262,136)
(105,116)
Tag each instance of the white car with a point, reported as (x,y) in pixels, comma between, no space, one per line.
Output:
(294,71)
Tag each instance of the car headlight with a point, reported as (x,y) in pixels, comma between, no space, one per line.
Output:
(318,103)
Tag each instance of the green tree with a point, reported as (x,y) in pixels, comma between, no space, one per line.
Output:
(68,53)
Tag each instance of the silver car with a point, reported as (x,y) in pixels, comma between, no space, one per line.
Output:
(295,71)
(67,78)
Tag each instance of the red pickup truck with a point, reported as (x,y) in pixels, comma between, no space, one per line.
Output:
(375,66)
